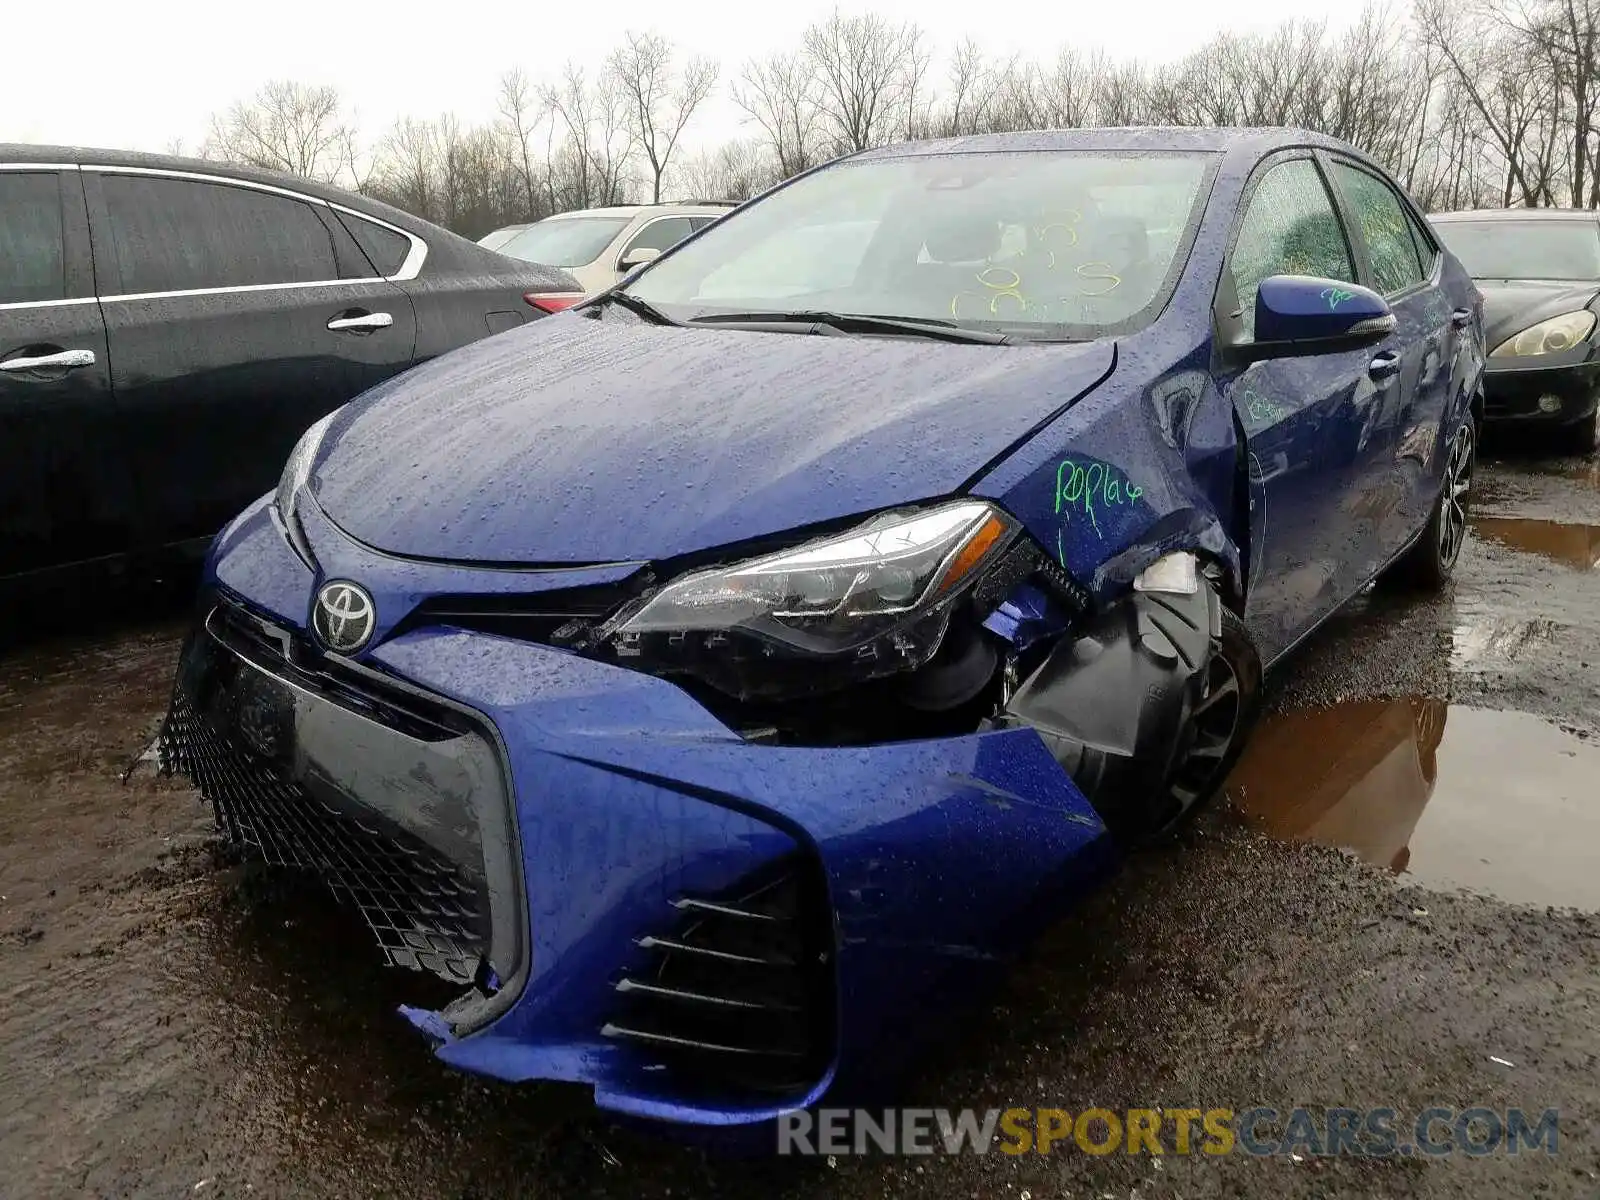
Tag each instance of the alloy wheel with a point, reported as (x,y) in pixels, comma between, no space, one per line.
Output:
(1452,501)
(1214,724)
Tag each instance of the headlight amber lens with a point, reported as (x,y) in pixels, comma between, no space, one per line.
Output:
(1547,337)
(838,593)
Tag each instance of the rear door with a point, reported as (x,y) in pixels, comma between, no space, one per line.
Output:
(236,315)
(64,484)
(1302,416)
(1402,263)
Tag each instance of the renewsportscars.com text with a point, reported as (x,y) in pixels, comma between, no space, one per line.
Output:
(1263,1131)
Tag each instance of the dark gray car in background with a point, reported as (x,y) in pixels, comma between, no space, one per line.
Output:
(1539,272)
(169,327)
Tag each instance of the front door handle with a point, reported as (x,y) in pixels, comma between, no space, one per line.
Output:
(1461,317)
(1384,365)
(365,322)
(63,360)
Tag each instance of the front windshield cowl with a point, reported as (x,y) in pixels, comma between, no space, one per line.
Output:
(1062,245)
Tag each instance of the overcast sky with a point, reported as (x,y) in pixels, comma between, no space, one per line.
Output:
(138,75)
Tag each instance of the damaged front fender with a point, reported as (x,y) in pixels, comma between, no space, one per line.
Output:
(1118,481)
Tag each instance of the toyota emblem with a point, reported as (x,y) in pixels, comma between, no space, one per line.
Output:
(344,616)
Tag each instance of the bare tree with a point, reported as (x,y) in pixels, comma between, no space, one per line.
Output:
(1490,74)
(520,114)
(292,127)
(598,144)
(867,71)
(732,171)
(974,89)
(1474,102)
(659,98)
(779,94)
(406,167)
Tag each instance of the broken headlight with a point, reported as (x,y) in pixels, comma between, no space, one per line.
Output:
(873,601)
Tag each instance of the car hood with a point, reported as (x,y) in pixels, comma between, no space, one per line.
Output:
(574,440)
(1512,305)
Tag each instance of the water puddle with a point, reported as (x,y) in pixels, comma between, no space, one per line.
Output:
(1574,545)
(1497,802)
(1586,471)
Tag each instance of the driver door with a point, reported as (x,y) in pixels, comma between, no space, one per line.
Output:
(1303,416)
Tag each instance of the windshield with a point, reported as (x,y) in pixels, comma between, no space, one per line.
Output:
(1039,244)
(1548,249)
(493,241)
(565,241)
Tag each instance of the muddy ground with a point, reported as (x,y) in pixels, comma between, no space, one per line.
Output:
(171,1027)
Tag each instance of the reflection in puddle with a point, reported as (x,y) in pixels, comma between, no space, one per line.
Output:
(1499,639)
(1575,545)
(1587,471)
(1501,802)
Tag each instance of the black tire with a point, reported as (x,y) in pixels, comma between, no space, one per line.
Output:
(1579,437)
(1217,729)
(1428,565)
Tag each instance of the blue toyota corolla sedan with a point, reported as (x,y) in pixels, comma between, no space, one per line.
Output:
(717,678)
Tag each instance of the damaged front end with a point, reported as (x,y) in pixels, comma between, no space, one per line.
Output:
(700,845)
(394,798)
(938,623)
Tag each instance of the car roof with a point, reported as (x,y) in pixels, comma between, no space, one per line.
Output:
(11,152)
(1515,214)
(665,208)
(1139,137)
(444,247)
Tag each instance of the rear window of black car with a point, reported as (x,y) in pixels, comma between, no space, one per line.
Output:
(31,265)
(1539,249)
(385,248)
(173,235)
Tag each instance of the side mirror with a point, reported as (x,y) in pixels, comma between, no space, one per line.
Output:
(637,257)
(1303,314)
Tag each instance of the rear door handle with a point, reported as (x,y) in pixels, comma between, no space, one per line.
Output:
(64,360)
(366,322)
(1461,317)
(1384,365)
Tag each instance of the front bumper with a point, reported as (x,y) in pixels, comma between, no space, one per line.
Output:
(700,928)
(1567,384)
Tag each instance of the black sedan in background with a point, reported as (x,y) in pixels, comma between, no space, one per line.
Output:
(169,327)
(1539,272)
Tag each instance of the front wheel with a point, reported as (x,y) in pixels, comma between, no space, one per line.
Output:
(1429,563)
(1218,726)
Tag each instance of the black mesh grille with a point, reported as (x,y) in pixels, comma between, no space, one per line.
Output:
(425,914)
(736,990)
(536,617)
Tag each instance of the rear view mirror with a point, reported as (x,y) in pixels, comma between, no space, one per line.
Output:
(637,257)
(1304,314)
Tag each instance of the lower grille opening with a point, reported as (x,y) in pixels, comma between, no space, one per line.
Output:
(736,990)
(426,914)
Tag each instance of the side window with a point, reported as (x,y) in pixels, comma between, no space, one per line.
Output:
(32,262)
(170,235)
(1384,227)
(661,235)
(385,248)
(1290,228)
(1426,253)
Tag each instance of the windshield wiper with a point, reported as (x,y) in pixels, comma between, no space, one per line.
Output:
(946,331)
(638,307)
